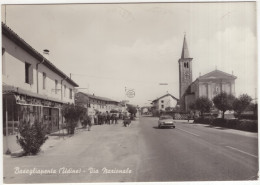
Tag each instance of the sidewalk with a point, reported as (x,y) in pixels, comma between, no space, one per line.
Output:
(105,147)
(54,139)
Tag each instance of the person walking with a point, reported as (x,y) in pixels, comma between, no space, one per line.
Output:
(108,118)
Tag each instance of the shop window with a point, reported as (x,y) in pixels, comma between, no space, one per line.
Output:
(3,61)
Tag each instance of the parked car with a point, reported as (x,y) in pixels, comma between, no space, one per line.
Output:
(166,121)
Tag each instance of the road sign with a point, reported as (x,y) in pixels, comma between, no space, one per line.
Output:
(130,93)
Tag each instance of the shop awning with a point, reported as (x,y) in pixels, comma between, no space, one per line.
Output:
(7,89)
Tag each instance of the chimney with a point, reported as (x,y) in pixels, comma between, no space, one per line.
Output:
(46,54)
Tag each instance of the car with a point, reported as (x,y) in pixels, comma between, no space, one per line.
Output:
(166,121)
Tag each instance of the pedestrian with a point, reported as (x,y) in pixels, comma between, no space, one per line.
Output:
(108,118)
(116,119)
(99,118)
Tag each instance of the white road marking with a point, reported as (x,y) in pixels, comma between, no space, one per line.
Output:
(188,132)
(242,151)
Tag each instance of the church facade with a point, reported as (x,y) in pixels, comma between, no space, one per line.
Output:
(208,85)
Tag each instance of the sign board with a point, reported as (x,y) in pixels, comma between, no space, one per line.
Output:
(130,93)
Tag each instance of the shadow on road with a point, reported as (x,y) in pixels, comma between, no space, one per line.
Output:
(162,127)
(220,128)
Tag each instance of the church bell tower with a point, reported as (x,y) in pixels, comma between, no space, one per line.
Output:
(185,73)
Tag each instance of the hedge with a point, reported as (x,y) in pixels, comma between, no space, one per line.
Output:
(245,125)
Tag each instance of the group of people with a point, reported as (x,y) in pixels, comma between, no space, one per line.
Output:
(100,119)
(106,118)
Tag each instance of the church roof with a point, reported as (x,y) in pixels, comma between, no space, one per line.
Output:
(217,74)
(185,51)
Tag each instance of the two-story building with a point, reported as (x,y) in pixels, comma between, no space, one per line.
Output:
(33,88)
(161,103)
(96,103)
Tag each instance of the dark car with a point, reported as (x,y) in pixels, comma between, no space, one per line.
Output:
(166,121)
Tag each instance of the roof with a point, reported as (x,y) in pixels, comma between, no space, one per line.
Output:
(10,34)
(98,97)
(217,74)
(168,94)
(185,51)
(8,89)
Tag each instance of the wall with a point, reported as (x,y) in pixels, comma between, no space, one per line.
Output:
(14,64)
(168,101)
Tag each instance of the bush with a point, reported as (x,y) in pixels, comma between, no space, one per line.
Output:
(247,116)
(155,113)
(203,120)
(72,114)
(248,125)
(245,125)
(31,137)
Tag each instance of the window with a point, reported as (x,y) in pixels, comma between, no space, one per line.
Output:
(70,93)
(65,89)
(3,61)
(56,86)
(162,101)
(162,106)
(27,73)
(44,80)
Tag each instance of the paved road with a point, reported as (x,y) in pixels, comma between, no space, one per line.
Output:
(190,152)
(193,152)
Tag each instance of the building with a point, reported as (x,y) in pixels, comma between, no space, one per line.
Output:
(167,100)
(96,103)
(208,85)
(33,88)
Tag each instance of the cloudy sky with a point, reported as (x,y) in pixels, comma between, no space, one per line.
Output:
(107,47)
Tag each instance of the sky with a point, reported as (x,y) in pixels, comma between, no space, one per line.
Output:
(107,47)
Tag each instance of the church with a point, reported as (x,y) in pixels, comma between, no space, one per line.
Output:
(208,85)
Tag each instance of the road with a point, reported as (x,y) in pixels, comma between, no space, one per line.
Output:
(192,152)
(140,153)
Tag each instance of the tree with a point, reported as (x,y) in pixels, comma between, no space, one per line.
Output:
(72,113)
(132,110)
(224,102)
(241,103)
(192,106)
(202,104)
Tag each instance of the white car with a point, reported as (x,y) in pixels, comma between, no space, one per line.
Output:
(166,121)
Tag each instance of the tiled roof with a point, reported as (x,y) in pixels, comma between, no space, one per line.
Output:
(217,74)
(166,95)
(98,97)
(20,42)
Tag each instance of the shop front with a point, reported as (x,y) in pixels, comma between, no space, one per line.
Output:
(21,108)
